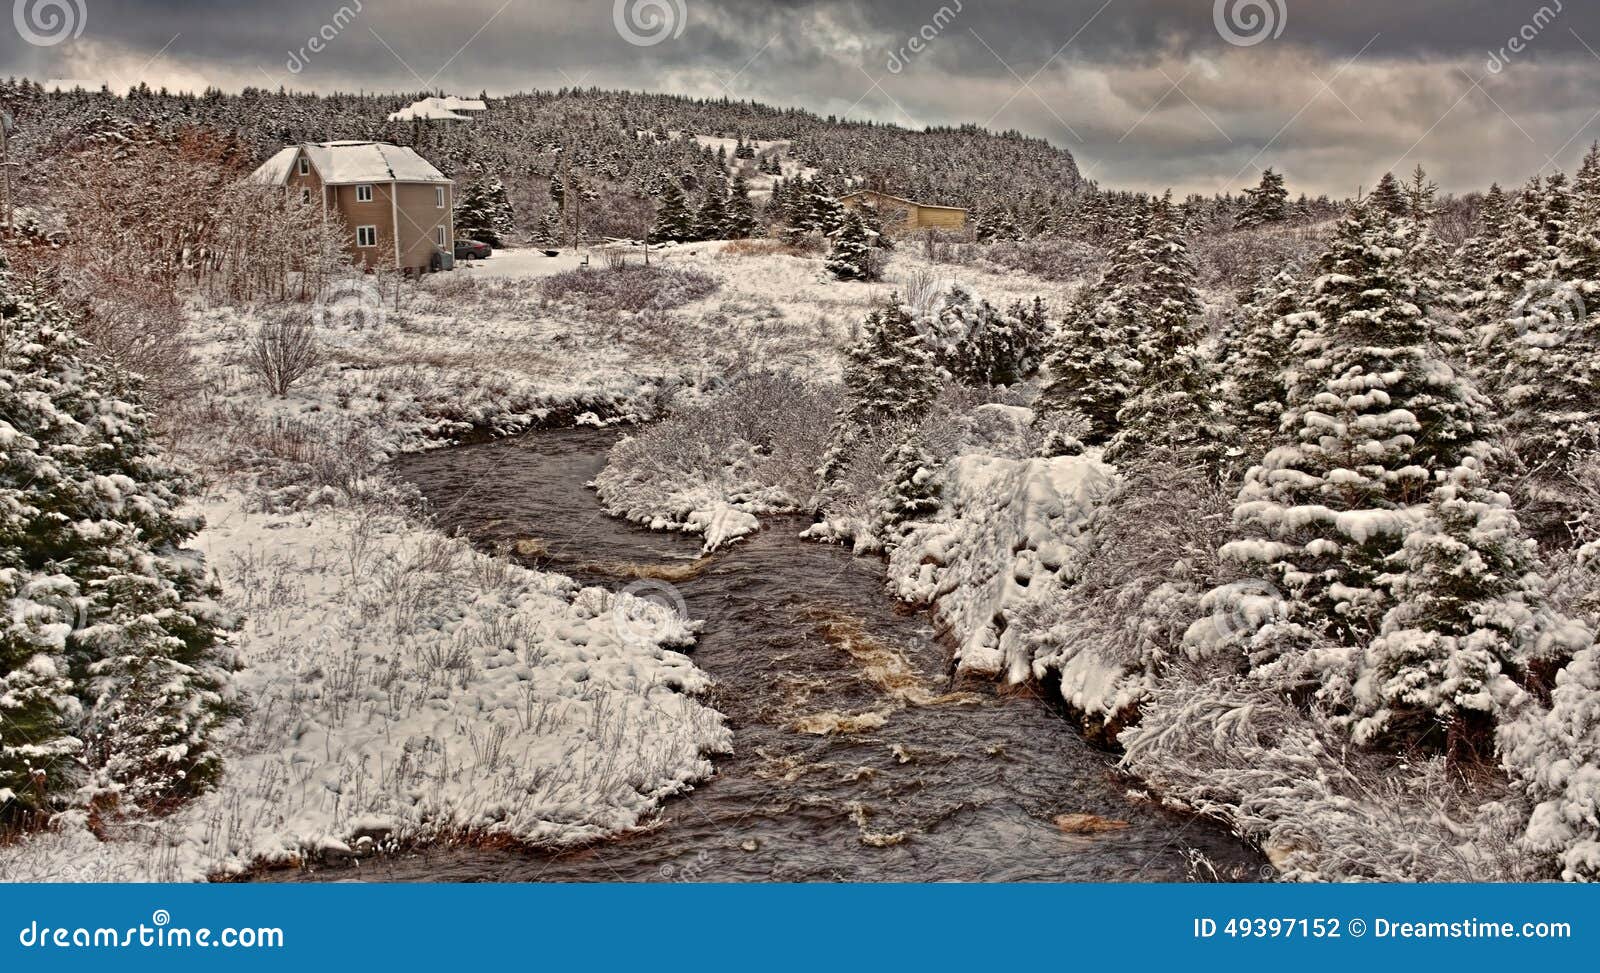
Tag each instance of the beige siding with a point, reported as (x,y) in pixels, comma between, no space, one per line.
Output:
(900,216)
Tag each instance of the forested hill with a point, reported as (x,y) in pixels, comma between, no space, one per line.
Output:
(629,140)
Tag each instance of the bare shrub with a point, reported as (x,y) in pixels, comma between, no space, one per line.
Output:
(285,350)
(922,291)
(1062,260)
(615,259)
(634,288)
(1241,258)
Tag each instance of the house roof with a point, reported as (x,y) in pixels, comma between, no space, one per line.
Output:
(447,108)
(346,163)
(423,112)
(900,199)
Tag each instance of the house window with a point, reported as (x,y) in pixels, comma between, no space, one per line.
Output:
(305,166)
(363,194)
(438,235)
(438,197)
(305,195)
(366,236)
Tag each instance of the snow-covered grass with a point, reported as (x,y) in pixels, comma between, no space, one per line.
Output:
(397,686)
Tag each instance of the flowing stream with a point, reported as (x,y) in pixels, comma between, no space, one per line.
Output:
(856,758)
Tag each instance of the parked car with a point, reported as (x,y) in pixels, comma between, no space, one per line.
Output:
(473,250)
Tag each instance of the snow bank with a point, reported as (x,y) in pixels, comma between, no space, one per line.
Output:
(1012,532)
(399,685)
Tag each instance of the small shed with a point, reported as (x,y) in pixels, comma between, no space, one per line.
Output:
(898,214)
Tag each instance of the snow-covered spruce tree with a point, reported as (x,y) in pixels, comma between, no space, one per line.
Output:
(711,220)
(890,378)
(1254,351)
(1377,424)
(1266,204)
(1093,360)
(853,255)
(741,223)
(1170,402)
(1553,753)
(1388,196)
(673,220)
(112,651)
(912,492)
(998,348)
(1468,615)
(483,212)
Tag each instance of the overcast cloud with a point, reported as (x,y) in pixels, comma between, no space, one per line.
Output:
(1148,94)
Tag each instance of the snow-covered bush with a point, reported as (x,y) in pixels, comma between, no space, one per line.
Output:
(1321,810)
(750,449)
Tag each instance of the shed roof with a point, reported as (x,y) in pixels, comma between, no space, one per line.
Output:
(900,199)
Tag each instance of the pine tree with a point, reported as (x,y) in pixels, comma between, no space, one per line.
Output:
(912,492)
(1388,196)
(741,222)
(995,348)
(1376,421)
(1170,404)
(890,378)
(113,652)
(673,221)
(1266,204)
(483,213)
(711,221)
(1468,612)
(853,255)
(1255,350)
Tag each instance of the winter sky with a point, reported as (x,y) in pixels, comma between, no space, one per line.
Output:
(1196,95)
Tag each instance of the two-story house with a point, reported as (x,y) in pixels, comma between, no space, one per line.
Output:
(396,204)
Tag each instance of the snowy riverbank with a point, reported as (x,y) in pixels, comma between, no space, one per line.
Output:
(398,686)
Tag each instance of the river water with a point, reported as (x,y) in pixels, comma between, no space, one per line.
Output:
(856,758)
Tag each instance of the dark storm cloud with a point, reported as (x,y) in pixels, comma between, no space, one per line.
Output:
(1147,94)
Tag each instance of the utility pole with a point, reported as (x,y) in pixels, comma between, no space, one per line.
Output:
(5,162)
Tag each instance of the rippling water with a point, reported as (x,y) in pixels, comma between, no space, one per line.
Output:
(856,758)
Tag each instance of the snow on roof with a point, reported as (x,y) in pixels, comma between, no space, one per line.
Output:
(438,109)
(275,171)
(898,199)
(344,163)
